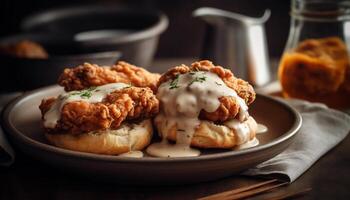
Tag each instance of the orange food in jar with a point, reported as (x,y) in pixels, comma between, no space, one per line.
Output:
(317,70)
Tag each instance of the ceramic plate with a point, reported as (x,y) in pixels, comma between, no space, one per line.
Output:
(21,120)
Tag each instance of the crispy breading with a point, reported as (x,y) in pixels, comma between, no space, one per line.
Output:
(88,75)
(145,103)
(229,107)
(77,117)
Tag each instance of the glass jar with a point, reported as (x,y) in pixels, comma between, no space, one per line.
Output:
(315,63)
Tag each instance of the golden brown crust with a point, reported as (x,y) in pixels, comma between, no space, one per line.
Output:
(87,75)
(46,104)
(229,106)
(243,88)
(77,117)
(210,135)
(228,109)
(128,137)
(145,104)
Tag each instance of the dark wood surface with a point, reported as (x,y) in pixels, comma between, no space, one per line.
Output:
(329,178)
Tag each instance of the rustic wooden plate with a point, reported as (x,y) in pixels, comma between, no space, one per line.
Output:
(21,120)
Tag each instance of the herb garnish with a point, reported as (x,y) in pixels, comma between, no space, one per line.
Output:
(173,83)
(129,86)
(85,94)
(200,79)
(217,83)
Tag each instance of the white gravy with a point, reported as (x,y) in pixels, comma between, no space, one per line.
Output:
(242,130)
(132,154)
(164,149)
(183,98)
(251,143)
(91,95)
(261,129)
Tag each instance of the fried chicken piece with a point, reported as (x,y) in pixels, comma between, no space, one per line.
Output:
(145,103)
(25,49)
(77,117)
(88,75)
(229,106)
(228,109)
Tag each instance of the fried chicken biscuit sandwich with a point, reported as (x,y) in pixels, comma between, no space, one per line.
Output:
(203,106)
(110,118)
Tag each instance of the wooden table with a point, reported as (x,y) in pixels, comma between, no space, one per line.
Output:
(30,179)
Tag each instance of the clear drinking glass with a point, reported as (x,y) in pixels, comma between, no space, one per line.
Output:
(315,63)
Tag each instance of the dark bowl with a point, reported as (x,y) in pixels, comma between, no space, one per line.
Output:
(132,31)
(20,74)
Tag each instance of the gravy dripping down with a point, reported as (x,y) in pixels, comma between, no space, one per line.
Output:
(261,129)
(132,154)
(251,143)
(182,100)
(91,95)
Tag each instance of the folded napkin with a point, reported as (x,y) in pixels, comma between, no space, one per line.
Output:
(322,129)
(7,155)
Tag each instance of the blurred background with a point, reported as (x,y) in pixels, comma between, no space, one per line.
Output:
(40,38)
(51,35)
(184,35)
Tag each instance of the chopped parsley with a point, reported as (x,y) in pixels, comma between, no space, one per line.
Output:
(199,79)
(173,83)
(85,94)
(129,86)
(217,83)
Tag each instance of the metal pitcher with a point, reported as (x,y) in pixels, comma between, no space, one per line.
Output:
(237,41)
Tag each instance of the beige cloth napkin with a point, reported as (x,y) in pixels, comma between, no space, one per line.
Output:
(322,129)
